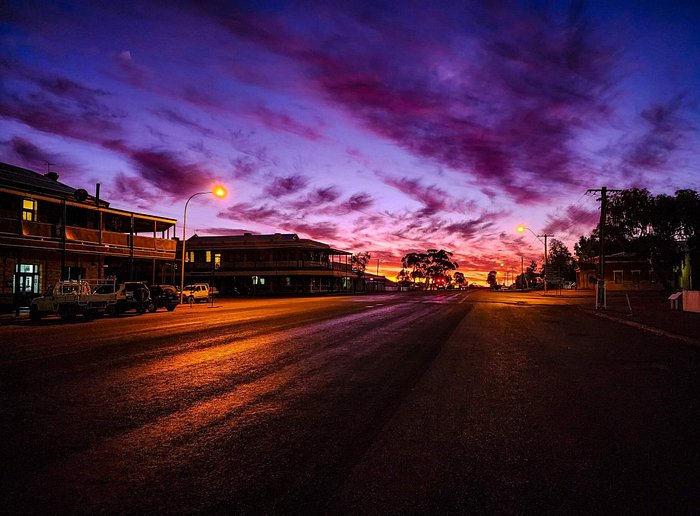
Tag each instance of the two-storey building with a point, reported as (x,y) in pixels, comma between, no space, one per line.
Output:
(260,264)
(51,231)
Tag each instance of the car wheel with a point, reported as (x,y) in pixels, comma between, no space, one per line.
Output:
(171,307)
(152,307)
(34,313)
(112,310)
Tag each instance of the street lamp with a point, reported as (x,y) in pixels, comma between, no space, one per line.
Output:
(218,191)
(521,229)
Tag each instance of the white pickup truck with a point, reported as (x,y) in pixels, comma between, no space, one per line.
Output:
(71,298)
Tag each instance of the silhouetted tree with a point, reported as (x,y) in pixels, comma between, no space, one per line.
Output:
(438,263)
(417,262)
(459,279)
(359,263)
(560,260)
(648,226)
(403,277)
(429,265)
(531,273)
(491,279)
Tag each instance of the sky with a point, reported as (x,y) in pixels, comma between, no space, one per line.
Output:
(387,127)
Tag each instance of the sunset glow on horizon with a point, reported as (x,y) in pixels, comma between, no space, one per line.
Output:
(366,126)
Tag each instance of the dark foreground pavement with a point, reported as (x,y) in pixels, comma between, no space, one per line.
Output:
(561,413)
(388,404)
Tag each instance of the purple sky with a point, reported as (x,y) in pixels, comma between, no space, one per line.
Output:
(368,126)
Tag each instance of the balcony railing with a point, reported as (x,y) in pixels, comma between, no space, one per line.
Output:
(90,236)
(9,225)
(271,265)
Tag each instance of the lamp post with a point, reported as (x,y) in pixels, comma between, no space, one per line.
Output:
(219,191)
(521,229)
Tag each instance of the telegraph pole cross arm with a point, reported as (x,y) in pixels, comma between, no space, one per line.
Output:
(600,302)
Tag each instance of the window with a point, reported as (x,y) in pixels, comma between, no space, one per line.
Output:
(208,259)
(217,258)
(617,277)
(29,210)
(189,256)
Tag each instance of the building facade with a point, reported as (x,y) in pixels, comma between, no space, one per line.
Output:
(50,231)
(267,264)
(623,271)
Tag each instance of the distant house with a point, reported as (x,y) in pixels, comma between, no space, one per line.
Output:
(51,231)
(267,264)
(623,271)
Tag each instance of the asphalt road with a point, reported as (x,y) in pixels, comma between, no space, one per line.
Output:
(438,402)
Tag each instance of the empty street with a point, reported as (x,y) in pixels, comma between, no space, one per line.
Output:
(405,402)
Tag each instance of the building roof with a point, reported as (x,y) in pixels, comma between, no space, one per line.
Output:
(27,180)
(273,241)
(46,186)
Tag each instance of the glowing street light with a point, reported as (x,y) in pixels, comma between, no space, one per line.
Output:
(521,229)
(218,191)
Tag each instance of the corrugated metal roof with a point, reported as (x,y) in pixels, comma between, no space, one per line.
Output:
(27,180)
(287,240)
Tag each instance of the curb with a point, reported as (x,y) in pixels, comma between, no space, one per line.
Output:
(649,329)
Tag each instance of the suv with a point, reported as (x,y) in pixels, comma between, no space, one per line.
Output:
(164,296)
(196,292)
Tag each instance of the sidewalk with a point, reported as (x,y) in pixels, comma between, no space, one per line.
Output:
(9,318)
(652,311)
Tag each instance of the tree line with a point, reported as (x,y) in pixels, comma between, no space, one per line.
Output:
(658,228)
(430,266)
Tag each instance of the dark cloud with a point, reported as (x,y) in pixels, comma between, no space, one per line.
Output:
(43,113)
(169,173)
(286,185)
(574,219)
(174,117)
(317,231)
(283,122)
(470,229)
(249,212)
(357,202)
(498,91)
(666,131)
(319,198)
(433,198)
(26,153)
(244,167)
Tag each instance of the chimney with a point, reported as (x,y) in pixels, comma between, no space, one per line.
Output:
(52,175)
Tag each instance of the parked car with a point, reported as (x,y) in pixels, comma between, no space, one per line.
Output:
(164,296)
(131,295)
(196,292)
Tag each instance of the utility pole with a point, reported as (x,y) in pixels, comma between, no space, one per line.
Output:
(600,301)
(545,260)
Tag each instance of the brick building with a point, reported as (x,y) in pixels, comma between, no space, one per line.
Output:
(51,231)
